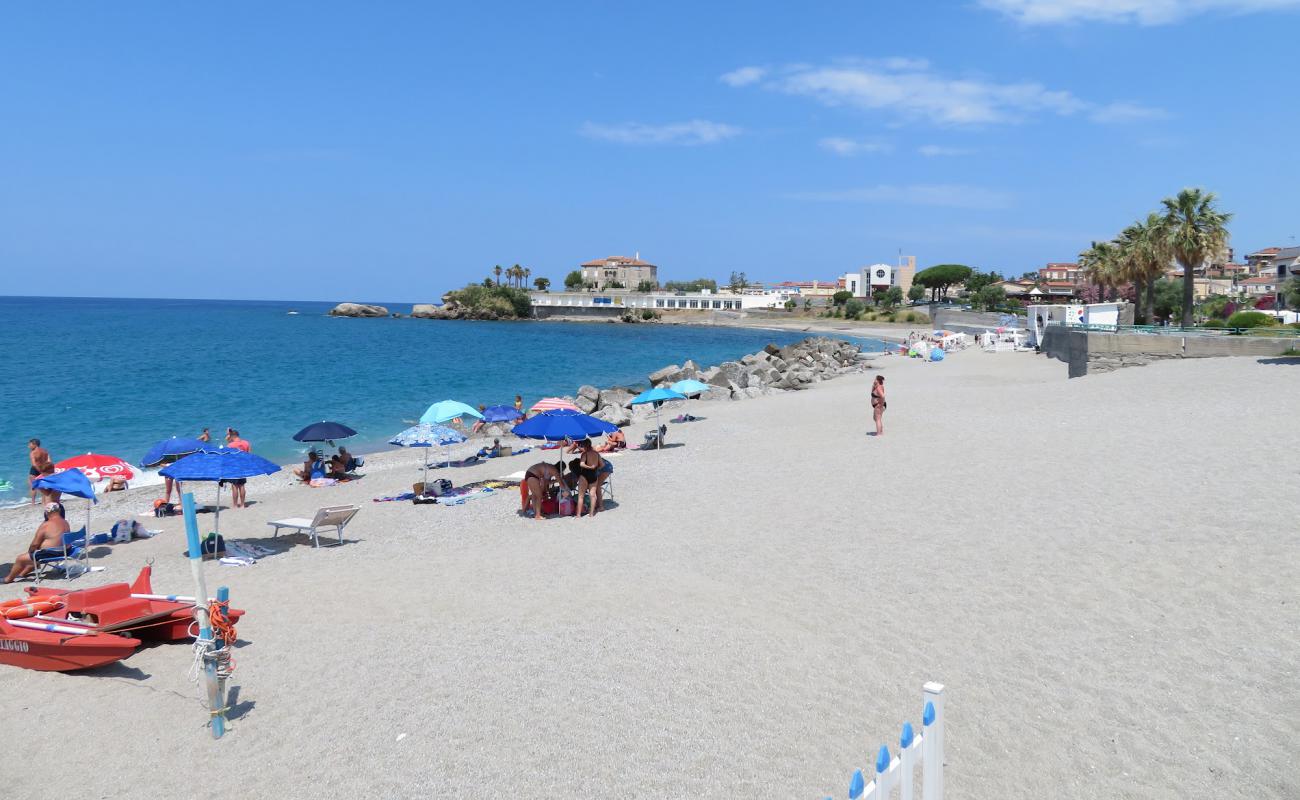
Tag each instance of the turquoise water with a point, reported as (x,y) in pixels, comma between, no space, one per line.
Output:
(114,376)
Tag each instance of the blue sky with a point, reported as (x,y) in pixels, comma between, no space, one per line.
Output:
(392,151)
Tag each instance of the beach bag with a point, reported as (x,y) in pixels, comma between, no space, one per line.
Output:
(439,487)
(124,530)
(163,509)
(567,506)
(213,543)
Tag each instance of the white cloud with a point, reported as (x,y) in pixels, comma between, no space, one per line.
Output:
(744,76)
(1125,112)
(937,150)
(692,132)
(944,195)
(841,146)
(1143,12)
(912,90)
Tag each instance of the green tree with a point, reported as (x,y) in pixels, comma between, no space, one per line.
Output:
(978,280)
(1100,264)
(892,297)
(573,280)
(790,304)
(989,297)
(645,287)
(1143,256)
(915,292)
(941,276)
(841,297)
(542,284)
(1290,292)
(1169,299)
(1196,232)
(738,282)
(497,270)
(853,309)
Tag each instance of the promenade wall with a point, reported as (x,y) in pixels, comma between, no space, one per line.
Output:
(1086,352)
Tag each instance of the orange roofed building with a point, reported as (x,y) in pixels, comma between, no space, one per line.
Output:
(619,272)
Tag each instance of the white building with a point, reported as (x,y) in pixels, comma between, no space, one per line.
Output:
(867,280)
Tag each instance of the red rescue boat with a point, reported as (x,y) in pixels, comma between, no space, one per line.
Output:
(119,607)
(59,648)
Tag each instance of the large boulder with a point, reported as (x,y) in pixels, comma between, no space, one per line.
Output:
(357,310)
(587,399)
(690,369)
(669,374)
(615,414)
(614,397)
(716,393)
(735,373)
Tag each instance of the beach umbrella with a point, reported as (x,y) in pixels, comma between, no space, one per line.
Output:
(690,387)
(428,435)
(657,396)
(96,466)
(448,410)
(561,424)
(323,432)
(501,414)
(75,483)
(218,464)
(553,404)
(169,450)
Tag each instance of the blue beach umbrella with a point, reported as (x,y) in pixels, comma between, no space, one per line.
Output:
(218,464)
(561,424)
(323,432)
(428,435)
(501,414)
(73,482)
(447,410)
(689,387)
(657,396)
(169,450)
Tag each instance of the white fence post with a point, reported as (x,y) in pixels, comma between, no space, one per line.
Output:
(932,743)
(907,757)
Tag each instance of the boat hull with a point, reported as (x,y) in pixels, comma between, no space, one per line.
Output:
(49,651)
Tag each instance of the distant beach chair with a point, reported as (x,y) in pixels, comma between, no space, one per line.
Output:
(336,517)
(72,549)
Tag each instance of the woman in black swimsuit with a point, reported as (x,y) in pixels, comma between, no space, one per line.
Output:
(589,466)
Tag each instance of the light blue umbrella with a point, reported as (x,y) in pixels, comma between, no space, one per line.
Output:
(447,410)
(657,396)
(427,435)
(689,387)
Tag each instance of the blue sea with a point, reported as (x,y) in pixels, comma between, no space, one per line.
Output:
(116,375)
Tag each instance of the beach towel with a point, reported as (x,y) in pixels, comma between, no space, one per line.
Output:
(318,482)
(461,499)
(393,498)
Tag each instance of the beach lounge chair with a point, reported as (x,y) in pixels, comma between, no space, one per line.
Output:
(336,517)
(72,551)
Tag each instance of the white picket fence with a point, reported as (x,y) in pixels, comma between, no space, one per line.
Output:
(900,771)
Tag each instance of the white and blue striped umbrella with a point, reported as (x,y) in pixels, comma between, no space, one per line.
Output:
(428,435)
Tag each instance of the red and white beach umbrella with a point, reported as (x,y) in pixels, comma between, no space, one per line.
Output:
(553,403)
(97,467)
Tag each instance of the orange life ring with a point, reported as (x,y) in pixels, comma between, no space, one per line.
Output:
(22,610)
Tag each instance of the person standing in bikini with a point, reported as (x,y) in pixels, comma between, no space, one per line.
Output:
(878,404)
(42,464)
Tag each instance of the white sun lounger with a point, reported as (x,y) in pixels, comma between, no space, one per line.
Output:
(336,517)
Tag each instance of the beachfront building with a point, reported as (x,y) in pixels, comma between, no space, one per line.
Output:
(1061,273)
(864,282)
(619,272)
(623,299)
(1259,286)
(1286,265)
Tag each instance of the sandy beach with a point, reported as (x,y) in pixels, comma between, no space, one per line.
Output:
(1103,572)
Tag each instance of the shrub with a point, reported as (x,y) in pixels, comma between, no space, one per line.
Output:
(1250,319)
(912,317)
(853,309)
(1214,323)
(647,314)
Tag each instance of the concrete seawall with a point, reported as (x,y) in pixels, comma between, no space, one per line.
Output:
(1087,352)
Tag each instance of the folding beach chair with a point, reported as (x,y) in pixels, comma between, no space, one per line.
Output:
(336,517)
(72,556)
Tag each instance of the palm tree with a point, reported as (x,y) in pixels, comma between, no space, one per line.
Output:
(528,273)
(497,270)
(1195,232)
(1100,264)
(1144,255)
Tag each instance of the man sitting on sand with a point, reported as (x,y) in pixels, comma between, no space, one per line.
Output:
(48,534)
(313,467)
(538,480)
(614,441)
